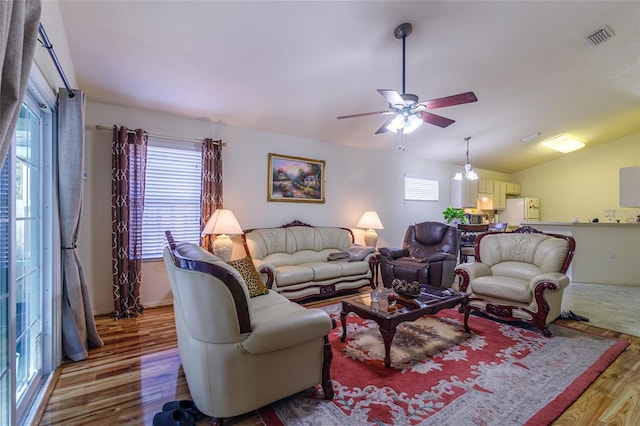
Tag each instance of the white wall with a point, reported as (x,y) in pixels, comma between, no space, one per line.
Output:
(582,184)
(356,180)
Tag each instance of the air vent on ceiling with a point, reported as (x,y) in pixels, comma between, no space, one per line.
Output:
(600,35)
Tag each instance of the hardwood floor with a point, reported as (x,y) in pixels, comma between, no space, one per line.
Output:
(138,370)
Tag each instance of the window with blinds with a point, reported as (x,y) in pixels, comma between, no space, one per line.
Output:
(421,189)
(172,195)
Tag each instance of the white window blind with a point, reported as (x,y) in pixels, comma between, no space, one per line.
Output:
(172,195)
(421,189)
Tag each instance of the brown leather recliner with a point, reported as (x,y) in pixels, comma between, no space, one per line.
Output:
(428,255)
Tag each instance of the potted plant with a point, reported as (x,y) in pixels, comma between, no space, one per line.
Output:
(454,215)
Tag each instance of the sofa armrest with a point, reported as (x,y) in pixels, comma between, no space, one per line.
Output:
(471,271)
(268,270)
(558,280)
(287,330)
(393,252)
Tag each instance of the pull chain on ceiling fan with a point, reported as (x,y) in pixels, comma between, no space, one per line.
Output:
(407,112)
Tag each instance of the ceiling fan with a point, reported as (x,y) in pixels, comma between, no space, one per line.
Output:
(407,113)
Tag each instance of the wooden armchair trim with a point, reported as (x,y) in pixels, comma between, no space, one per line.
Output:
(235,288)
(538,318)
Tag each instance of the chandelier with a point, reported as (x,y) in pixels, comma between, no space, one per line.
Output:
(469,173)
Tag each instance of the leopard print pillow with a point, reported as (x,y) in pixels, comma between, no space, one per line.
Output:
(248,272)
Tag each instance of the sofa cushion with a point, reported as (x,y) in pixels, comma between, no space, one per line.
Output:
(360,267)
(502,288)
(251,277)
(269,300)
(325,270)
(295,274)
(520,270)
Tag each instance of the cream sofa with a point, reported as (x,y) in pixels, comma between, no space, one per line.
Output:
(240,353)
(519,275)
(293,260)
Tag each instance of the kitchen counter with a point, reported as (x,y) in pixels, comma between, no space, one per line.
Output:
(606,253)
(607,224)
(534,224)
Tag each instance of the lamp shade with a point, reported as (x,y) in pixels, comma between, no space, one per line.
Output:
(222,222)
(370,220)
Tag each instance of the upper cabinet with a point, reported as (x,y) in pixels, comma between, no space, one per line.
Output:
(513,188)
(485,186)
(629,188)
(499,195)
(496,192)
(463,194)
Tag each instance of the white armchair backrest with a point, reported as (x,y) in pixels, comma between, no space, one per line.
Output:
(209,296)
(540,252)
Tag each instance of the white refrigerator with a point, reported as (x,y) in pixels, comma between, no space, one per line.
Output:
(520,210)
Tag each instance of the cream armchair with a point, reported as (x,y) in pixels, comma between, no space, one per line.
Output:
(518,276)
(240,353)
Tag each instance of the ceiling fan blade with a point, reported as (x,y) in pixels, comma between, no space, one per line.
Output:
(392,96)
(437,120)
(383,128)
(364,114)
(460,98)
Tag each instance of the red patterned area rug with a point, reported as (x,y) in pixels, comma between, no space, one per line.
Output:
(440,375)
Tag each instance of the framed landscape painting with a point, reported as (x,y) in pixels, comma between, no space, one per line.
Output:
(295,179)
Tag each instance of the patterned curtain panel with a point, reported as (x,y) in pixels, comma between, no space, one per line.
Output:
(211,187)
(129,160)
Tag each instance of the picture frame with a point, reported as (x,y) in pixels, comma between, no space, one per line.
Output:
(295,179)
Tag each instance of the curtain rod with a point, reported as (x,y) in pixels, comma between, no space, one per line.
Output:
(99,127)
(47,45)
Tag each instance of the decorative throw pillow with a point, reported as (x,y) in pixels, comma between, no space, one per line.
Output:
(248,272)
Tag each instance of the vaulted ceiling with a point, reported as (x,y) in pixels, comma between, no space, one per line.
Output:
(293,67)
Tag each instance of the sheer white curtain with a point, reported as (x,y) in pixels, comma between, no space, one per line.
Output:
(78,326)
(19,22)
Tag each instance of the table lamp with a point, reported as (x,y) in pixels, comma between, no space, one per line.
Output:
(222,223)
(370,221)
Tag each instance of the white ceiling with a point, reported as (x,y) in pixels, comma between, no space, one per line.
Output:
(293,67)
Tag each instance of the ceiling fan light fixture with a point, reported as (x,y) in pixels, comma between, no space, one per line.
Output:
(409,112)
(407,124)
(412,123)
(396,124)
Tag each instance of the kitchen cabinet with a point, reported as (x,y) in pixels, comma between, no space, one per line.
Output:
(485,186)
(513,188)
(629,189)
(499,195)
(496,192)
(463,194)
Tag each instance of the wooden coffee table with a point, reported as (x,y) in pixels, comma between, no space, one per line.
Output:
(431,301)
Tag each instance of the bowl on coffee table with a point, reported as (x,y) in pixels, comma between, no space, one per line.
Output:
(405,288)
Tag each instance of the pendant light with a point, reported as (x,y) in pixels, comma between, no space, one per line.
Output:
(469,173)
